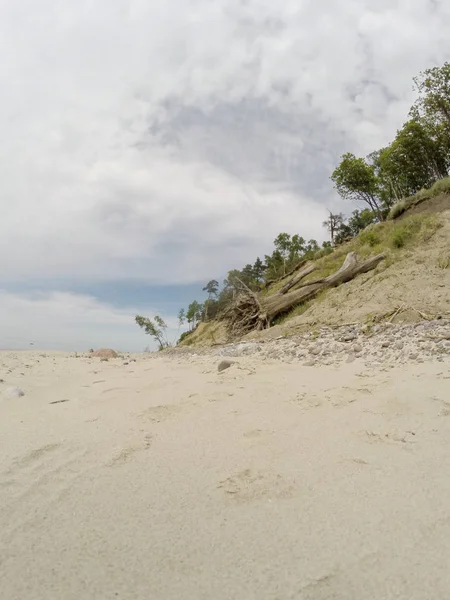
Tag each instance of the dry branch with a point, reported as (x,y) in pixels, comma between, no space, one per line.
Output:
(295,268)
(293,282)
(247,312)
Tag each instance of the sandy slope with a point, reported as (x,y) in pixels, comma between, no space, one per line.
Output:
(164,479)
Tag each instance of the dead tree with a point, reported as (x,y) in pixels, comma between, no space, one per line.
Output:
(295,268)
(248,312)
(293,282)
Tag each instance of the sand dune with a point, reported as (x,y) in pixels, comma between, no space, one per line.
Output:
(162,478)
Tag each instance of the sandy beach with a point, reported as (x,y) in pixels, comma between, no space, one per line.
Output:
(159,477)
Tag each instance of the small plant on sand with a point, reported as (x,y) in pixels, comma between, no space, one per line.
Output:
(444,261)
(413,228)
(369,237)
(398,209)
(442,186)
(399,239)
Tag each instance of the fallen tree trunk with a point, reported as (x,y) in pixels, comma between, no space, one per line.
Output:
(293,282)
(298,266)
(248,313)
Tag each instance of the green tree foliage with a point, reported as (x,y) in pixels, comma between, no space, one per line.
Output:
(258,270)
(211,288)
(287,253)
(156,328)
(433,86)
(247,275)
(181,317)
(356,180)
(361,219)
(418,156)
(413,161)
(194,314)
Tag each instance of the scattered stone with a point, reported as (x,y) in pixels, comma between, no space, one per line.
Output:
(315,350)
(224,364)
(104,359)
(349,336)
(104,353)
(14,392)
(388,346)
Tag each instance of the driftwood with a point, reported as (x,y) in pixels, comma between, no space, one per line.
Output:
(293,282)
(295,268)
(247,312)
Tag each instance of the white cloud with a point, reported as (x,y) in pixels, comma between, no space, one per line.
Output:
(72,322)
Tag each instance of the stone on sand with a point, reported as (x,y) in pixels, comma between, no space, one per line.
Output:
(104,353)
(14,392)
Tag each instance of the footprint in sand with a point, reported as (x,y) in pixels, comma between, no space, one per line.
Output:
(126,454)
(35,456)
(306,401)
(156,414)
(258,436)
(45,473)
(254,433)
(249,485)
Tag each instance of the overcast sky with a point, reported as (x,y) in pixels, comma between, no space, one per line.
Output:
(148,147)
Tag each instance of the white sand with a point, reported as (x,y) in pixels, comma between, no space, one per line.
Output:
(164,480)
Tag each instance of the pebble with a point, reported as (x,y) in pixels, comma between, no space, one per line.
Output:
(387,345)
(349,337)
(315,351)
(14,392)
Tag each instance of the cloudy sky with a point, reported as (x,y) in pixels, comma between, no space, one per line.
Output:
(148,147)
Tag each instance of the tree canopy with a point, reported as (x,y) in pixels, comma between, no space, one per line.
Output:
(418,156)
